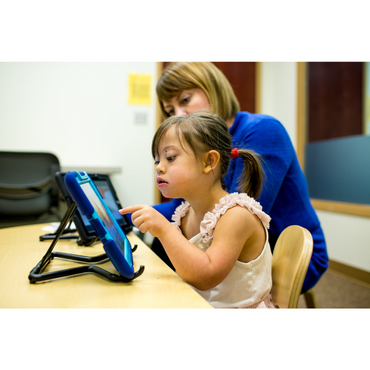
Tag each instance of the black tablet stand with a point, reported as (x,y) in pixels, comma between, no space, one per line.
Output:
(36,274)
(66,234)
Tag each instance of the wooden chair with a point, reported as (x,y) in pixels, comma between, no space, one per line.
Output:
(290,261)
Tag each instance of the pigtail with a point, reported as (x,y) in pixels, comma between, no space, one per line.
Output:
(251,179)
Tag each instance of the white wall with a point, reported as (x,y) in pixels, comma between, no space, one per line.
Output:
(279,97)
(347,237)
(80,112)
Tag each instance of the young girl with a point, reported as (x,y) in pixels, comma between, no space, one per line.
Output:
(218,241)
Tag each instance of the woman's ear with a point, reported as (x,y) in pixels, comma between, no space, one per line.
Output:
(211,160)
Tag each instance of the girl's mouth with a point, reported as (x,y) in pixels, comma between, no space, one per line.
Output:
(161,182)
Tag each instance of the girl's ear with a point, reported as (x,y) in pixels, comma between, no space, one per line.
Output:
(211,160)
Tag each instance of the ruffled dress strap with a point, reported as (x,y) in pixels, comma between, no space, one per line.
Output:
(210,219)
(180,212)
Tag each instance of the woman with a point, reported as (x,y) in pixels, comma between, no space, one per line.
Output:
(184,88)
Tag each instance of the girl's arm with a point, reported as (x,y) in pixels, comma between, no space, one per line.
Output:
(203,270)
(167,209)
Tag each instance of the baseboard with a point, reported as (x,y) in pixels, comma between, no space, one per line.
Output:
(350,271)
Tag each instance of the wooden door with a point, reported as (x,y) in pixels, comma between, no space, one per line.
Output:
(335,102)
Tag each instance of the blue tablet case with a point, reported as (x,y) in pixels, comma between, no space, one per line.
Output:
(91,204)
(86,233)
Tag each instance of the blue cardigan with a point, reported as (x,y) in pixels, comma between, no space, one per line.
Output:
(284,195)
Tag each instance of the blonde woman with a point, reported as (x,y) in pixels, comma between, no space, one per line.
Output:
(184,88)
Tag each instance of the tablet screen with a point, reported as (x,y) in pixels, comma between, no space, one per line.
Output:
(109,200)
(105,217)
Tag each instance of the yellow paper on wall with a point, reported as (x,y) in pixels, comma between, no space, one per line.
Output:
(139,89)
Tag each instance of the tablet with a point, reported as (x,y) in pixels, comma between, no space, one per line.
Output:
(92,205)
(85,230)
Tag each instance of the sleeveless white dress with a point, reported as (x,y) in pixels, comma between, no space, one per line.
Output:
(248,284)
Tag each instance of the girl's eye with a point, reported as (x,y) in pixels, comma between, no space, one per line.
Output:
(170,159)
(186,100)
(170,112)
(156,163)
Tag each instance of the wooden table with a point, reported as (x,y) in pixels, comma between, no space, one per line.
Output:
(21,250)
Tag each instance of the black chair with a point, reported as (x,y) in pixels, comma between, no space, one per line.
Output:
(28,190)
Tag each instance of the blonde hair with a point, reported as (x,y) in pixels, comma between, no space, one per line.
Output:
(204,131)
(180,76)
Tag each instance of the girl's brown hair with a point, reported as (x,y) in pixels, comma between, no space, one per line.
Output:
(202,132)
(181,76)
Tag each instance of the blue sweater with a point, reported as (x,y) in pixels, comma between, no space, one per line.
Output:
(284,195)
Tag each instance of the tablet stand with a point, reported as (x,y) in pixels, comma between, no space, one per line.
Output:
(36,274)
(65,234)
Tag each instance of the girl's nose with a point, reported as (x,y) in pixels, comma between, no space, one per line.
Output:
(159,168)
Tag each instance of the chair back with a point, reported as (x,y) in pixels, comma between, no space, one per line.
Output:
(290,260)
(27,183)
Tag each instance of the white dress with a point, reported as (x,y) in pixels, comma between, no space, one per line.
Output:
(248,284)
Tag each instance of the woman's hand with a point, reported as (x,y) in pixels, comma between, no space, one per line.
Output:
(146,218)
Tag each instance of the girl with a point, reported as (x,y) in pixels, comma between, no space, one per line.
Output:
(218,242)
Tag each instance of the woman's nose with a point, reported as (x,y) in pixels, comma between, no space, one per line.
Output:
(179,111)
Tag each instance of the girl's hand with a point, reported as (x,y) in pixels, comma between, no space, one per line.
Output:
(146,218)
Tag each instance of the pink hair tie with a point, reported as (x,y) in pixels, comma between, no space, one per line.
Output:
(234,153)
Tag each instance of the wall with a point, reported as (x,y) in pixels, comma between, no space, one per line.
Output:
(80,112)
(347,237)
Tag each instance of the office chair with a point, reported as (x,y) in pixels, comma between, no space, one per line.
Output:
(28,190)
(292,254)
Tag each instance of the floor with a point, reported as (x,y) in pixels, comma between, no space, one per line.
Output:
(336,290)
